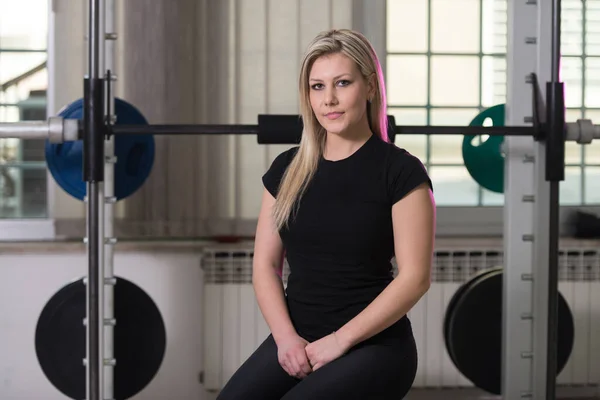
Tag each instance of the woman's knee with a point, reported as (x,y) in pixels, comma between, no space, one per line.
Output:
(259,377)
(367,372)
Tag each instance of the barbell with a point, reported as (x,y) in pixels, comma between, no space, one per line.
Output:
(135,146)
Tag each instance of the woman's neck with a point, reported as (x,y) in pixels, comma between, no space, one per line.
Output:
(340,146)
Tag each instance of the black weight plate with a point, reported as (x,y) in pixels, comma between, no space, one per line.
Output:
(452,304)
(475,333)
(139,339)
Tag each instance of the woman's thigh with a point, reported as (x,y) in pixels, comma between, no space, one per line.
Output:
(259,377)
(372,371)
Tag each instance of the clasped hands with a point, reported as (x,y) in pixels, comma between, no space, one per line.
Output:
(299,358)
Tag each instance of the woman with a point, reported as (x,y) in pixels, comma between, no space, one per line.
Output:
(341,205)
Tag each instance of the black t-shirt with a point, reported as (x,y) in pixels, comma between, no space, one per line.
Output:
(340,244)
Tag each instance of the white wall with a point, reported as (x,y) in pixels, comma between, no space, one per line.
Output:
(170,274)
(194,62)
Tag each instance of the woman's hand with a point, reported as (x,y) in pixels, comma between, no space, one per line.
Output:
(292,356)
(325,350)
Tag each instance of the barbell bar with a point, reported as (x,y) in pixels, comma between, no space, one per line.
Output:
(271,129)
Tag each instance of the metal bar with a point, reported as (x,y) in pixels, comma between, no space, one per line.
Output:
(517,333)
(92,127)
(465,130)
(25,130)
(255,130)
(108,304)
(185,129)
(555,158)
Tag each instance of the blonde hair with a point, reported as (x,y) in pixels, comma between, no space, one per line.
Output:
(298,175)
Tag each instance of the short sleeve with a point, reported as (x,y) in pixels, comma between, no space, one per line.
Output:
(272,178)
(406,173)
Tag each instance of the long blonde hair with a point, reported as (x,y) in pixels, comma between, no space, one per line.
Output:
(302,168)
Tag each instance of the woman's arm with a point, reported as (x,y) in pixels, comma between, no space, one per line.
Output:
(266,273)
(414,233)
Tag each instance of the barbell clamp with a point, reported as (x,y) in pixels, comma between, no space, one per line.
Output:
(583,131)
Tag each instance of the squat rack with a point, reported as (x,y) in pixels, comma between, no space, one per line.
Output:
(534,165)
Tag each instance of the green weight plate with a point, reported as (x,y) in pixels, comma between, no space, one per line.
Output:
(485,161)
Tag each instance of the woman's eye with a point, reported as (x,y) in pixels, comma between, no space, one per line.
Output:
(316,86)
(344,82)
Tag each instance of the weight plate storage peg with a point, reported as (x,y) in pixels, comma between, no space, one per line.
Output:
(134,153)
(485,160)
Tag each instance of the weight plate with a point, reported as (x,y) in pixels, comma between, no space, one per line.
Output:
(139,339)
(485,161)
(135,154)
(452,304)
(474,332)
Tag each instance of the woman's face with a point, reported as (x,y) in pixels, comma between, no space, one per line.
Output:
(338,94)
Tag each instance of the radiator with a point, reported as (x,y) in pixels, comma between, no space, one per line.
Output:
(234,326)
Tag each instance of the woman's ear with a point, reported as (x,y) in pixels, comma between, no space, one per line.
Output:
(372,86)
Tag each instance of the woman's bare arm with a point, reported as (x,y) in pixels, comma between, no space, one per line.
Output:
(414,232)
(266,273)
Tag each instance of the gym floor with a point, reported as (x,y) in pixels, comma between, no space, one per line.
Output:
(562,393)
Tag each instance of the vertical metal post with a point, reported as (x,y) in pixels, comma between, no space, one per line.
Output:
(555,170)
(542,224)
(93,174)
(517,307)
(110,37)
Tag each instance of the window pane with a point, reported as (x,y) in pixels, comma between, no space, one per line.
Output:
(13,65)
(455,81)
(415,144)
(10,150)
(407,80)
(592,82)
(23,24)
(592,150)
(494,26)
(458,33)
(592,28)
(592,185)
(571,27)
(571,73)
(490,198)
(493,81)
(447,149)
(570,188)
(23,191)
(10,114)
(573,114)
(453,186)
(572,153)
(407,26)
(409,116)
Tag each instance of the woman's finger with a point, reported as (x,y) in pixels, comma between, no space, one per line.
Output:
(285,367)
(304,364)
(295,367)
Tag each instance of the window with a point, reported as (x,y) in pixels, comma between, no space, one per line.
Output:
(23,84)
(444,71)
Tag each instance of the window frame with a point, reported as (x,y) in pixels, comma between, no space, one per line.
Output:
(452,221)
(36,229)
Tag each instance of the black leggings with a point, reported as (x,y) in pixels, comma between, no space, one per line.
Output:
(369,371)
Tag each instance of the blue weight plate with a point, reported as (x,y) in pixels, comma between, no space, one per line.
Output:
(135,154)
